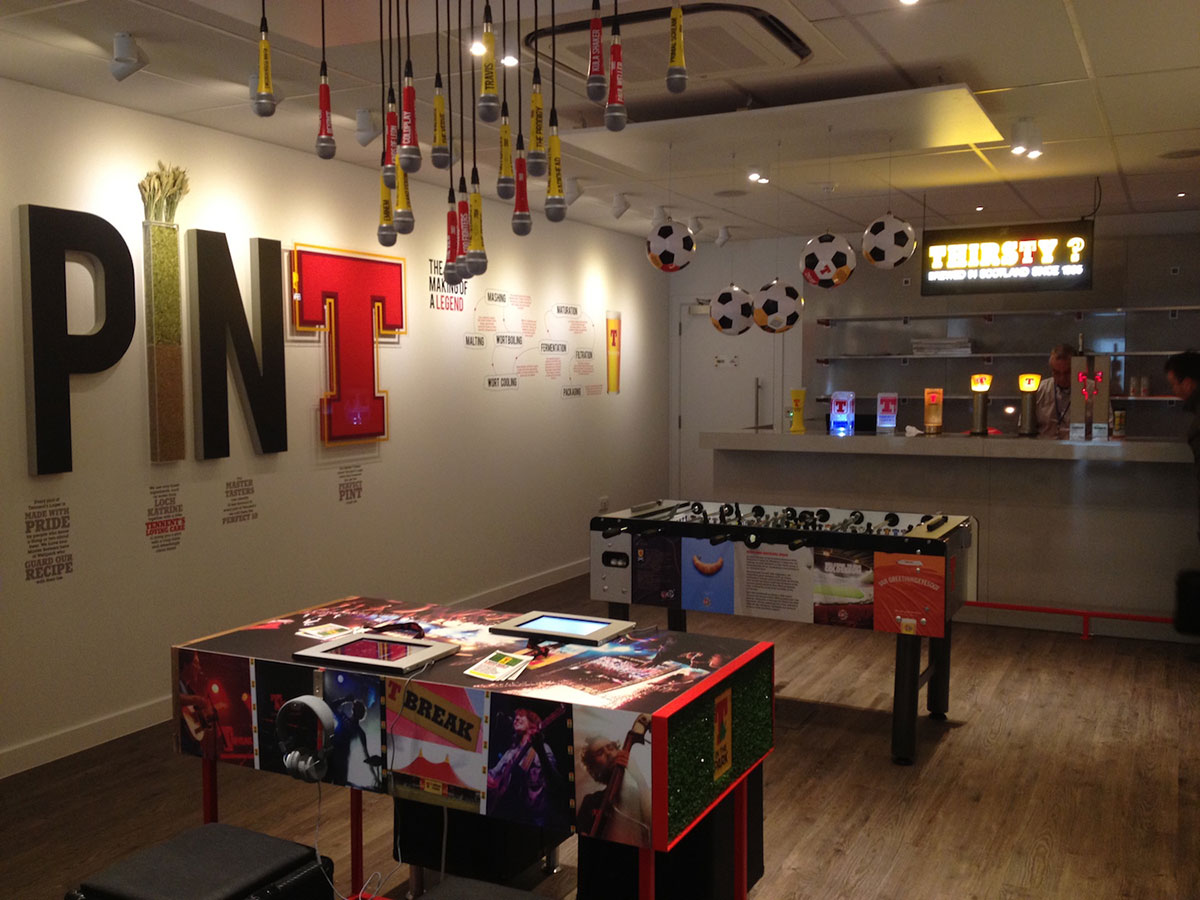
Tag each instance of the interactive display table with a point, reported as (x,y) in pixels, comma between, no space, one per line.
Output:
(693,713)
(903,573)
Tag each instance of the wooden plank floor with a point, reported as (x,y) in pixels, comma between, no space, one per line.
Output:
(1067,769)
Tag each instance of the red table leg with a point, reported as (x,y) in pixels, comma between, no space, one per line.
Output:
(739,841)
(645,873)
(356,848)
(208,789)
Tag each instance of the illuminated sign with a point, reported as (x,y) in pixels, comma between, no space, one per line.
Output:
(1055,256)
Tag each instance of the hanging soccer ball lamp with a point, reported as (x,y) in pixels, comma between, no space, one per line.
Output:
(670,246)
(828,260)
(732,312)
(888,242)
(615,114)
(777,307)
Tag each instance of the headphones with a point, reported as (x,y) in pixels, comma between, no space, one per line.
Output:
(303,726)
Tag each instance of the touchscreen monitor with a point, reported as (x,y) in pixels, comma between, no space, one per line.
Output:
(571,629)
(398,653)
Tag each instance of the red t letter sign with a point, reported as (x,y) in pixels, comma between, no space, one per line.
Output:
(353,298)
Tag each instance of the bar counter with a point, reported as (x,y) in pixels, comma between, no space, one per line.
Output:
(1092,525)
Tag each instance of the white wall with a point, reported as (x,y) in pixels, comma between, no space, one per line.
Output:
(477,496)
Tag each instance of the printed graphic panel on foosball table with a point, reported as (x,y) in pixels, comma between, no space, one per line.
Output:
(910,594)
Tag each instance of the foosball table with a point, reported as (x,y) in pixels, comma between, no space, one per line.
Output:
(902,573)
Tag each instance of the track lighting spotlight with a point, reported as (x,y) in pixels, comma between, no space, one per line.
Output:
(620,203)
(365,130)
(572,191)
(127,56)
(722,236)
(659,217)
(695,224)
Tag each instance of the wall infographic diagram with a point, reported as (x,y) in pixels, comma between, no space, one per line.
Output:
(517,338)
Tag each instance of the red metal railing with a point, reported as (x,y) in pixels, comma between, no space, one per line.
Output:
(1085,614)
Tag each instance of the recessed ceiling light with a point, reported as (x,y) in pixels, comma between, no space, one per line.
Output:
(1181,194)
(509,61)
(762,179)
(477,48)
(730,192)
(909,2)
(979,209)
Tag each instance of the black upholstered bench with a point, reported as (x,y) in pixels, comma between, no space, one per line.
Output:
(215,862)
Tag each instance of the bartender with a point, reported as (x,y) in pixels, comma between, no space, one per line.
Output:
(1054,395)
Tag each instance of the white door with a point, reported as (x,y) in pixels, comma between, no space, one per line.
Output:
(725,383)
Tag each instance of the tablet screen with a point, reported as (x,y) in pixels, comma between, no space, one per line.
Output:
(373,648)
(563,625)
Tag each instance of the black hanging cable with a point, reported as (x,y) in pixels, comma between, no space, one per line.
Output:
(504,41)
(449,98)
(464,212)
(522,221)
(476,255)
(556,201)
(386,233)
(474,165)
(382,77)
(390,118)
(450,271)
(462,153)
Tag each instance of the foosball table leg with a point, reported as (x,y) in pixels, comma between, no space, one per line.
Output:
(904,699)
(938,699)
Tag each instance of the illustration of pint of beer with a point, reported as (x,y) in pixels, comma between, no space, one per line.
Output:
(613,321)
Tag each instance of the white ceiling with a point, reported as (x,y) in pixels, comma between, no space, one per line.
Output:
(907,108)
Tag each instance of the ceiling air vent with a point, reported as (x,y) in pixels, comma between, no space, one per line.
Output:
(723,41)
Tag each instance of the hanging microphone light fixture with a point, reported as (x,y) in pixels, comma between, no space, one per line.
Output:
(488,105)
(477,260)
(404,221)
(522,221)
(506,180)
(676,67)
(536,158)
(450,269)
(615,114)
(556,200)
(390,118)
(326,145)
(439,153)
(596,82)
(386,233)
(263,103)
(387,230)
(408,157)
(464,206)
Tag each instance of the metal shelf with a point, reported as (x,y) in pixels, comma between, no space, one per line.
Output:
(988,315)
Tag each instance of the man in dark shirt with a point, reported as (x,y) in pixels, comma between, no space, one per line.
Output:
(1183,374)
